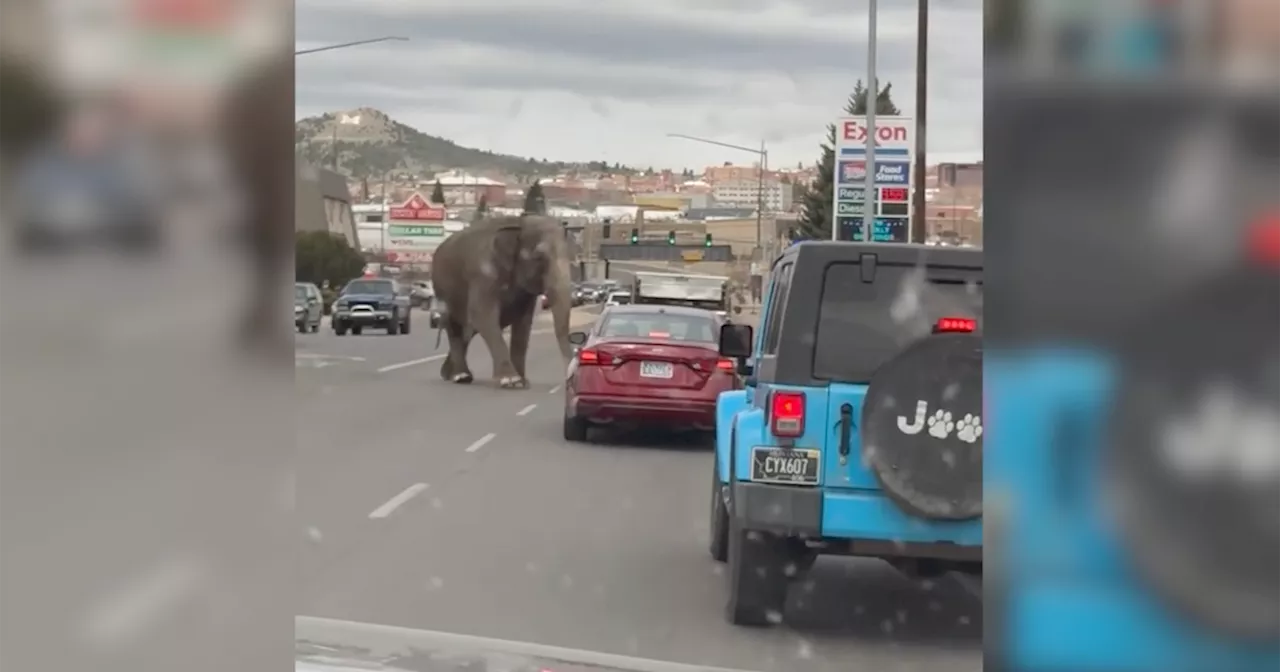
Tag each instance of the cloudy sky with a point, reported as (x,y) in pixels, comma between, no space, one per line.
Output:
(608,79)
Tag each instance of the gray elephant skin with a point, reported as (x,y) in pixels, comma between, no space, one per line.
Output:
(489,276)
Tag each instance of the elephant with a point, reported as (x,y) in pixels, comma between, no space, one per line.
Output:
(489,276)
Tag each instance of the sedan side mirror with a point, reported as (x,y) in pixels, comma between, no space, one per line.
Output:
(578,338)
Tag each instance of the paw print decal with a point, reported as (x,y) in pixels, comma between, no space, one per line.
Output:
(969,429)
(940,424)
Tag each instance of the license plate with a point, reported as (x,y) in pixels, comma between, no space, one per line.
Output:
(784,465)
(656,370)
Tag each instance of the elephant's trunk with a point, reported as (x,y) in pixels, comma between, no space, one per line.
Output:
(561,305)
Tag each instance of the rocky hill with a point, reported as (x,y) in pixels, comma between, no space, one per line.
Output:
(371,143)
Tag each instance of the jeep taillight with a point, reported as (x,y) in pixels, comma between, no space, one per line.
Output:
(786,414)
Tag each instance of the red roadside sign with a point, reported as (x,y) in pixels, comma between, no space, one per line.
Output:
(418,209)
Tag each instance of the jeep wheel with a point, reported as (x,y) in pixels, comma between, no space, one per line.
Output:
(315,328)
(357,330)
(404,328)
(575,429)
(393,325)
(302,327)
(339,328)
(719,517)
(757,577)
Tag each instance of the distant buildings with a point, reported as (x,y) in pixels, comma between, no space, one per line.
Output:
(720,194)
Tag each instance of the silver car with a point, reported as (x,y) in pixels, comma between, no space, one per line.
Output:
(307,307)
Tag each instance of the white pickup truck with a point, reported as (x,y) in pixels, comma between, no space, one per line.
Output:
(709,292)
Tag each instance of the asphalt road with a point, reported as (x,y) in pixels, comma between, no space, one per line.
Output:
(460,509)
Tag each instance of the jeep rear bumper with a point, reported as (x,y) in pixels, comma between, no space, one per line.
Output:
(852,522)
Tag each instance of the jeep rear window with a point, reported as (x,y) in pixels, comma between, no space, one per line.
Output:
(862,325)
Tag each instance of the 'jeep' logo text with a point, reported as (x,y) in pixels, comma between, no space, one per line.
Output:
(941,424)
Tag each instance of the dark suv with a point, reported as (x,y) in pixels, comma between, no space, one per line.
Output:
(860,428)
(372,302)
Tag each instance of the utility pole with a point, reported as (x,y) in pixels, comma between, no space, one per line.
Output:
(759,204)
(334,145)
(919,228)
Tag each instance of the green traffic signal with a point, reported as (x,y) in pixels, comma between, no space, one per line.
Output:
(635,236)
(671,237)
(707,242)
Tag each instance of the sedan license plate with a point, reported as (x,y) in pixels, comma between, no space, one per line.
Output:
(784,465)
(656,370)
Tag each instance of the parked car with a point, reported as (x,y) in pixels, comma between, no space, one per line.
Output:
(859,430)
(308,307)
(618,298)
(656,365)
(381,303)
(420,293)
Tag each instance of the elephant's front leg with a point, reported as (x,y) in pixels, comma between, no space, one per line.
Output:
(521,329)
(454,368)
(485,317)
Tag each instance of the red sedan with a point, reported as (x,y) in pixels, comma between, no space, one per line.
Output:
(644,364)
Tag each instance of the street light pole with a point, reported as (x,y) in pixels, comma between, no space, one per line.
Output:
(873,97)
(763,153)
(345,45)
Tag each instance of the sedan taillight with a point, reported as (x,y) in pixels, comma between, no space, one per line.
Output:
(588,357)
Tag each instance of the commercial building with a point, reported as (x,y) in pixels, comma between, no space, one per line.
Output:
(464,189)
(323,203)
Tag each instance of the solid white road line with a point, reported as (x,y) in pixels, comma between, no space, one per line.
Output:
(412,362)
(398,638)
(554,390)
(480,442)
(526,410)
(396,502)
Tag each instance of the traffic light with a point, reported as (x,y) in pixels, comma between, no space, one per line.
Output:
(707,241)
(671,237)
(635,236)
(605,228)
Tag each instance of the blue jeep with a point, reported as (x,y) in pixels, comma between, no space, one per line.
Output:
(859,431)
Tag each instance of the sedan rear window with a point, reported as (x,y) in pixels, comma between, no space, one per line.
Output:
(684,328)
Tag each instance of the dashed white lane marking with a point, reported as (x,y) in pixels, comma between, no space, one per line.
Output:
(526,410)
(554,390)
(412,362)
(480,442)
(398,501)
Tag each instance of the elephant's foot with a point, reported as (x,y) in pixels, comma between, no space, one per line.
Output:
(462,378)
(513,382)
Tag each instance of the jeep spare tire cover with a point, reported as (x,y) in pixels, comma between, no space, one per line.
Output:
(1191,474)
(921,427)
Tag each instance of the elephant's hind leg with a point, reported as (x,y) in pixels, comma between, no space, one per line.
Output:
(454,368)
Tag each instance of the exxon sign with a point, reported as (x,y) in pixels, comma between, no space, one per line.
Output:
(895,133)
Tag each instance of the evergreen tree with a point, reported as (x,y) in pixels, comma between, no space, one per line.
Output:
(321,256)
(437,193)
(534,201)
(815,214)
